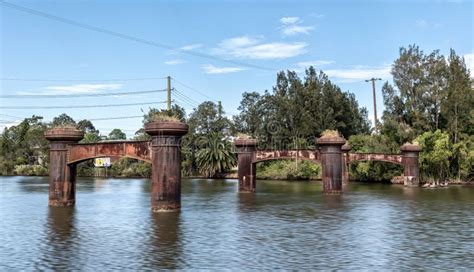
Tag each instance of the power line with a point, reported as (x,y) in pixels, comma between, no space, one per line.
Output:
(126,36)
(184,97)
(81,80)
(184,103)
(192,89)
(83,106)
(78,95)
(116,118)
(11,116)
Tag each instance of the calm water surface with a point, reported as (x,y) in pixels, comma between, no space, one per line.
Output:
(283,226)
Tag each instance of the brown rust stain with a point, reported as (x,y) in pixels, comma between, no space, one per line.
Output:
(391,158)
(264,155)
(136,150)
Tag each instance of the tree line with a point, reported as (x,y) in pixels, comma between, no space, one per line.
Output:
(429,101)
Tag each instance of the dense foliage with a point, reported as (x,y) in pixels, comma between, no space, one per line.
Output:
(298,110)
(432,102)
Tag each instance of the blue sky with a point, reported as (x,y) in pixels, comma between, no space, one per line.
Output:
(349,40)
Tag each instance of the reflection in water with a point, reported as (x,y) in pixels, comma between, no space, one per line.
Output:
(284,225)
(333,201)
(164,247)
(247,202)
(58,250)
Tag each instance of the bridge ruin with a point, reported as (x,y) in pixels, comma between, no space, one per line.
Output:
(334,156)
(164,154)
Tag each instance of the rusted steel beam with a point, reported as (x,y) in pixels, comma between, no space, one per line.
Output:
(62,177)
(139,150)
(265,155)
(411,169)
(166,164)
(331,162)
(246,165)
(391,158)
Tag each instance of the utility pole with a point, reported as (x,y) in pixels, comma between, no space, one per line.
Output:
(375,102)
(168,89)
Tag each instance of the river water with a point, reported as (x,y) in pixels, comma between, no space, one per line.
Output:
(285,225)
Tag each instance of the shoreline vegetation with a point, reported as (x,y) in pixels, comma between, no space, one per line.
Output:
(233,176)
(428,101)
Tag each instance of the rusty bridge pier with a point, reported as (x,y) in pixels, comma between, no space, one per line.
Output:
(246,167)
(345,163)
(332,163)
(411,169)
(166,164)
(62,177)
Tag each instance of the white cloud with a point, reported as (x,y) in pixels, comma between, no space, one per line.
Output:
(292,26)
(296,29)
(76,89)
(469,59)
(81,88)
(421,23)
(253,48)
(317,15)
(314,63)
(9,124)
(359,73)
(191,47)
(425,24)
(174,62)
(289,20)
(211,69)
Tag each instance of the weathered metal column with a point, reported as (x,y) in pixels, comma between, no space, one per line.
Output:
(345,163)
(62,177)
(246,169)
(411,170)
(166,164)
(331,161)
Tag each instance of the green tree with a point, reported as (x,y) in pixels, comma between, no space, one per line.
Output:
(208,117)
(299,110)
(458,107)
(63,120)
(117,134)
(215,156)
(435,155)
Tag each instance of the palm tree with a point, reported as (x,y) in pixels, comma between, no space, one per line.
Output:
(215,156)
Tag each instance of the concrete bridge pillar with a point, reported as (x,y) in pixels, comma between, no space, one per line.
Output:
(166,164)
(62,177)
(331,162)
(246,169)
(345,163)
(411,170)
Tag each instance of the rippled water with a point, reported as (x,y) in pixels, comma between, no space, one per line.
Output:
(285,225)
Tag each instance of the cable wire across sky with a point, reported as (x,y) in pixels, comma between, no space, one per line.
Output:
(83,106)
(127,37)
(29,96)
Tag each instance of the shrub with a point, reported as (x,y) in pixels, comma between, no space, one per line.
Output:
(30,170)
(288,169)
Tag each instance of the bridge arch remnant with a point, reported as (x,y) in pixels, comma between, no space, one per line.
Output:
(163,152)
(334,155)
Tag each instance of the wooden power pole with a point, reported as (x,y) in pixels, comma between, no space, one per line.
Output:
(168,89)
(375,102)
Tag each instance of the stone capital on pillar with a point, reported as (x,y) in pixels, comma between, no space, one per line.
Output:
(245,168)
(411,170)
(332,163)
(166,164)
(62,177)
